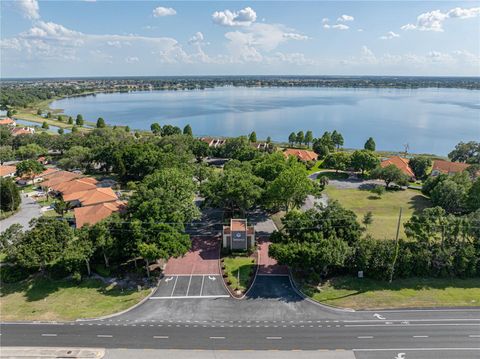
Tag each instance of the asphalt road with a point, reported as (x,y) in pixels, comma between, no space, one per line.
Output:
(273,317)
(29,209)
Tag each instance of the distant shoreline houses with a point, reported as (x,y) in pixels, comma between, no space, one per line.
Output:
(12,125)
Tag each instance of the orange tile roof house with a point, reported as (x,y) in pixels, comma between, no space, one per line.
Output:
(91,196)
(58,177)
(7,121)
(447,167)
(17,131)
(400,163)
(7,171)
(97,212)
(75,185)
(27,180)
(302,155)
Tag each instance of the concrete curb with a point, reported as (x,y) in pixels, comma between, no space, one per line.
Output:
(313,301)
(152,290)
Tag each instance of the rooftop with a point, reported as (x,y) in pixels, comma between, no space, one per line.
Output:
(449,167)
(302,155)
(400,163)
(92,196)
(95,213)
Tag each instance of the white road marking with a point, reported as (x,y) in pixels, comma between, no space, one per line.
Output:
(400,356)
(49,335)
(378,316)
(411,349)
(474,336)
(420,336)
(174,285)
(189,281)
(217,337)
(160,337)
(203,281)
(104,336)
(192,296)
(411,325)
(274,338)
(212,278)
(365,337)
(168,279)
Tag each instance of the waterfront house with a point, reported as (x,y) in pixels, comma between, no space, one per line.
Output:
(401,163)
(301,155)
(447,167)
(7,121)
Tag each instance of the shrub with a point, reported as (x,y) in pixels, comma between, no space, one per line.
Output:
(13,274)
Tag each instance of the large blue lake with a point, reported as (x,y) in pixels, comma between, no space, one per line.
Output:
(429,120)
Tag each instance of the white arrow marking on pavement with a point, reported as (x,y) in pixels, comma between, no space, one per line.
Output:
(212,278)
(168,279)
(378,316)
(400,356)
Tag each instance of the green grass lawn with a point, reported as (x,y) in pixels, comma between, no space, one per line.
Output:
(316,168)
(356,293)
(385,209)
(46,202)
(44,299)
(233,265)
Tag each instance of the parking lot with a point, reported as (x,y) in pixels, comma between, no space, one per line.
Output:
(191,286)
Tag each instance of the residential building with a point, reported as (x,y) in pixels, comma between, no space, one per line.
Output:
(238,235)
(401,163)
(302,155)
(7,171)
(447,167)
(26,180)
(17,131)
(213,142)
(7,121)
(90,197)
(74,185)
(58,177)
(95,213)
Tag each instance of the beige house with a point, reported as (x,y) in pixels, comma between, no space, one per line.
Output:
(238,235)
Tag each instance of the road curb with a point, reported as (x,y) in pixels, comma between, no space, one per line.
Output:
(313,301)
(152,290)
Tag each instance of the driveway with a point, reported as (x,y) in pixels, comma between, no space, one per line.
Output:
(29,209)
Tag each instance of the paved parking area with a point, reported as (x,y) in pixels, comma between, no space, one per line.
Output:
(191,286)
(266,264)
(201,259)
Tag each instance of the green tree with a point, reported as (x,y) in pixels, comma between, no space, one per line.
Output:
(420,165)
(337,139)
(252,137)
(368,218)
(390,174)
(202,172)
(451,196)
(238,148)
(473,200)
(29,169)
(49,115)
(169,130)
(468,152)
(378,190)
(60,118)
(339,161)
(79,121)
(39,112)
(370,144)
(77,157)
(44,244)
(292,138)
(101,123)
(300,137)
(320,149)
(326,140)
(308,138)
(60,131)
(290,188)
(235,189)
(30,151)
(61,207)
(74,129)
(70,120)
(269,166)
(364,161)
(6,154)
(9,195)
(200,150)
(156,128)
(149,252)
(187,130)
(45,125)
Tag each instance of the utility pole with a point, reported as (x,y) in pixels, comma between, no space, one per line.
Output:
(396,246)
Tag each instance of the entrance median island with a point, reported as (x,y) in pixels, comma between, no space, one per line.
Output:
(238,272)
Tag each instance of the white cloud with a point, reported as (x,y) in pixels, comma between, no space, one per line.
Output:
(132,59)
(29,9)
(244,17)
(360,30)
(163,11)
(197,38)
(433,20)
(326,26)
(325,20)
(340,27)
(345,18)
(390,35)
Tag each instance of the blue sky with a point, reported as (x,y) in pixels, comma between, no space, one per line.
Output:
(115,38)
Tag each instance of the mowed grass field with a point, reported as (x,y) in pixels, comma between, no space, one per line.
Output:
(235,264)
(45,299)
(364,293)
(385,209)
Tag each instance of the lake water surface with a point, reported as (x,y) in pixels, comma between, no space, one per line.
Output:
(429,120)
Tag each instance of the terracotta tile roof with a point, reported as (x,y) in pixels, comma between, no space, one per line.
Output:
(75,185)
(95,213)
(7,170)
(7,121)
(58,177)
(400,163)
(302,155)
(238,224)
(449,167)
(92,196)
(22,131)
